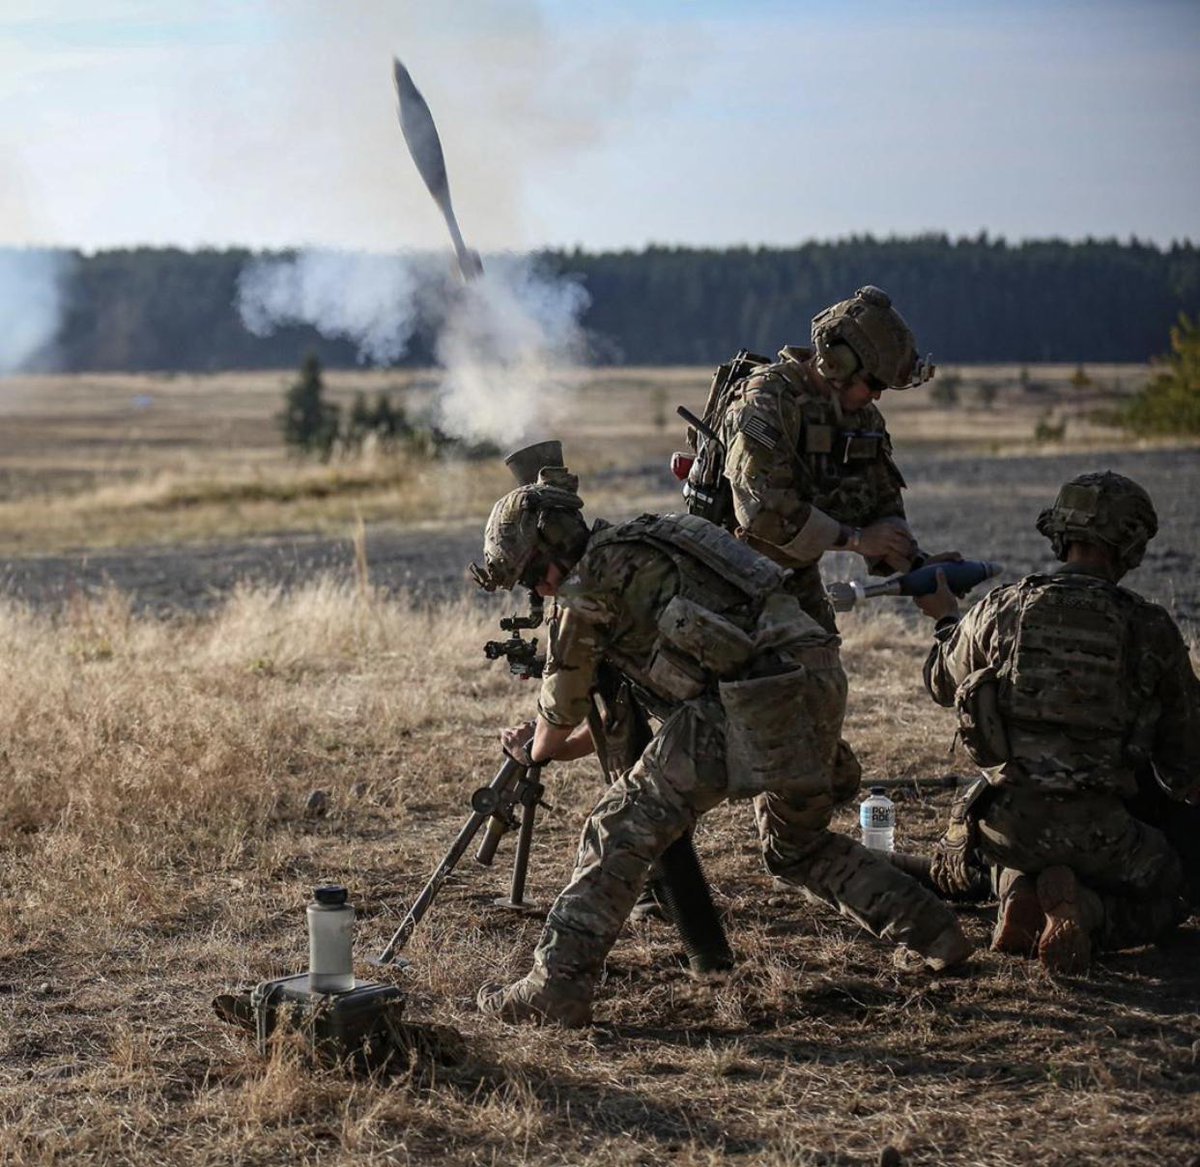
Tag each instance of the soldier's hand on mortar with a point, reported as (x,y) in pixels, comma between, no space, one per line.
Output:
(515,741)
(940,603)
(889,540)
(944,557)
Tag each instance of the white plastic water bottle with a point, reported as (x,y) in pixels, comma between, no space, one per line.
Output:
(877,818)
(330,941)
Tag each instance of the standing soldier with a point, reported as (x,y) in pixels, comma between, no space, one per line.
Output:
(804,464)
(750,695)
(1067,686)
(807,457)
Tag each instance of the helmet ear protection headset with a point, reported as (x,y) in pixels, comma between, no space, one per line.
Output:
(865,336)
(836,360)
(842,345)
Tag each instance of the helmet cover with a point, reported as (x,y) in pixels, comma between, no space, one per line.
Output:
(1102,508)
(529,528)
(881,345)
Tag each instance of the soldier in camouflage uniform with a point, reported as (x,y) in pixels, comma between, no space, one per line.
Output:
(1066,685)
(749,693)
(808,455)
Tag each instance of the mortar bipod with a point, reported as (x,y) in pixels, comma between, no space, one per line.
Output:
(492,804)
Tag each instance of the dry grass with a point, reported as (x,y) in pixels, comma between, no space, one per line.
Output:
(106,461)
(156,849)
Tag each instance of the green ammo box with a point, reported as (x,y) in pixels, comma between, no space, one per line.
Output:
(362,1023)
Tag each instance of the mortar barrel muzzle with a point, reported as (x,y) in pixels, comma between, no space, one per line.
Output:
(527,462)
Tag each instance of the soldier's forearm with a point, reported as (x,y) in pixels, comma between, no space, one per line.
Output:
(559,743)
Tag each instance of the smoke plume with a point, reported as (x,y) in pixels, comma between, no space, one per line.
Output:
(504,345)
(368,299)
(32,298)
(503,341)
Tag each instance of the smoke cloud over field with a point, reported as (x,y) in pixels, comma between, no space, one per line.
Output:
(502,340)
(368,299)
(32,291)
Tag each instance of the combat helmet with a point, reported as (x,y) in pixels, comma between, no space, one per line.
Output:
(535,525)
(866,336)
(1105,508)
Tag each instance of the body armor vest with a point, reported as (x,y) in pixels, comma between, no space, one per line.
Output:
(731,632)
(697,548)
(1069,669)
(721,581)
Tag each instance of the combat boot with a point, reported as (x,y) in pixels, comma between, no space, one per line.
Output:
(1073,912)
(1019,919)
(539,1000)
(948,949)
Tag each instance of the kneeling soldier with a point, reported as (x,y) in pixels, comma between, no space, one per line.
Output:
(749,695)
(1067,687)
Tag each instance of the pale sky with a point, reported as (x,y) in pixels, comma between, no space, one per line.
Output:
(603,123)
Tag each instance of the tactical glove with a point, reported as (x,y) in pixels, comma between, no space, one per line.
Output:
(950,868)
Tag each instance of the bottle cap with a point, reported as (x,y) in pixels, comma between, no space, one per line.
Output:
(878,789)
(331,896)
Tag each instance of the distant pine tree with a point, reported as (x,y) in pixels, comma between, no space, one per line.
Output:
(308,422)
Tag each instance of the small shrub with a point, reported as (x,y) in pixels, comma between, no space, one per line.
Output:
(309,422)
(944,388)
(1170,403)
(1047,430)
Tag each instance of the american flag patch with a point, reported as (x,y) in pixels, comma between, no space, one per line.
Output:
(762,431)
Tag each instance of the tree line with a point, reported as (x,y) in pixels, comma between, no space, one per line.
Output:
(968,300)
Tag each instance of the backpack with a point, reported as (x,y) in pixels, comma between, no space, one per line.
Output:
(706,491)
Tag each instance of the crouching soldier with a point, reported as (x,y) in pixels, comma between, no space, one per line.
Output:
(1068,687)
(749,695)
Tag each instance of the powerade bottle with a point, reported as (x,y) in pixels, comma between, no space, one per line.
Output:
(330,937)
(877,817)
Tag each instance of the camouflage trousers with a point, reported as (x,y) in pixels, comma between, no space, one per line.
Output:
(682,774)
(1131,866)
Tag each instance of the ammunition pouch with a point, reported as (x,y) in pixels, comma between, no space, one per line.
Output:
(770,738)
(714,643)
(981,727)
(695,648)
(675,675)
(782,730)
(856,447)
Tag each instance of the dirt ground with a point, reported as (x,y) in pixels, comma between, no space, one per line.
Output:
(172,708)
(983,506)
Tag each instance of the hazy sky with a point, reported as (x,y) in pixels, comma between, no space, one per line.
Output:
(607,123)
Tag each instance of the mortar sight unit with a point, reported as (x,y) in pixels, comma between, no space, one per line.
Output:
(521,654)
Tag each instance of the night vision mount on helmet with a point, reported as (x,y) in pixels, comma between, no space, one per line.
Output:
(865,336)
(1105,508)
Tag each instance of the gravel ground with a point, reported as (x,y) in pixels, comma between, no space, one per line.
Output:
(984,507)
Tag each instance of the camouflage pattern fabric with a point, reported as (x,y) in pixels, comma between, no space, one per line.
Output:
(1160,721)
(782,434)
(609,612)
(681,775)
(1059,797)
(1131,866)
